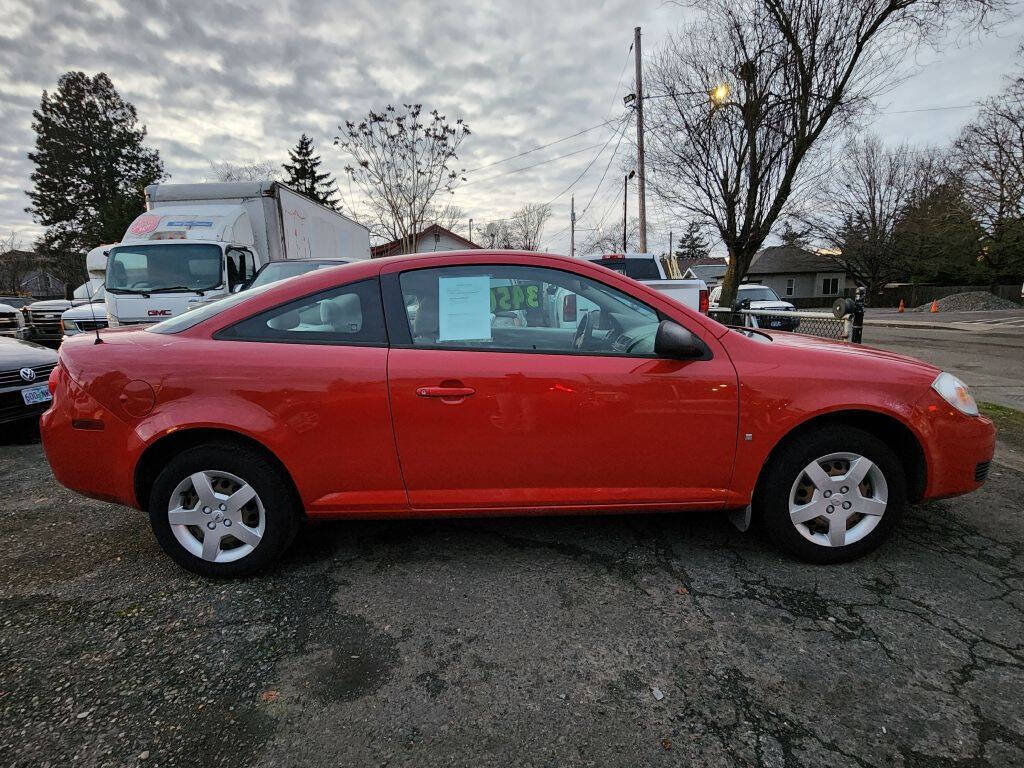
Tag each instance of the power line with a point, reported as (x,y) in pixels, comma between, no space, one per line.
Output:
(542,146)
(625,64)
(528,167)
(584,171)
(883,112)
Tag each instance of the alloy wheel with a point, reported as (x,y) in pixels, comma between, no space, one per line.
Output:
(838,499)
(216,516)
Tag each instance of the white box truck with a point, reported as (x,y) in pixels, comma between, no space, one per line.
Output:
(198,241)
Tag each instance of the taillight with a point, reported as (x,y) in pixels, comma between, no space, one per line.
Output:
(704,301)
(569,308)
(51,383)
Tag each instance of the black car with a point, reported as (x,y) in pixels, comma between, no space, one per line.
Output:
(24,370)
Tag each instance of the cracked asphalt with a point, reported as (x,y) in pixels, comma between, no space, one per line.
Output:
(510,642)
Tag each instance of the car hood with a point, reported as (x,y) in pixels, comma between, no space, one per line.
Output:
(15,354)
(87,312)
(853,351)
(783,305)
(50,304)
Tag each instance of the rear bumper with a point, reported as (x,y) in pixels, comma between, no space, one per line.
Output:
(87,446)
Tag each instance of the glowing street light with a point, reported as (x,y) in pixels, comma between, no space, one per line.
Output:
(720,93)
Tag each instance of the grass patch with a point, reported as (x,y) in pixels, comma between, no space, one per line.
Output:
(1009,423)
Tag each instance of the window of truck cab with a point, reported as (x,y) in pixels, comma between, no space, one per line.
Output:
(156,267)
(512,308)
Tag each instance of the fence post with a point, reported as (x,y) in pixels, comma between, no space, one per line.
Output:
(857,331)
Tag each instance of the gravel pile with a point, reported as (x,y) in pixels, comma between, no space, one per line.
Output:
(972,301)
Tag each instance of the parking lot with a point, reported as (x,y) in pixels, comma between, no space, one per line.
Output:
(644,640)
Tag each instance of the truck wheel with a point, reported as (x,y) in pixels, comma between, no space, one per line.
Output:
(222,510)
(832,495)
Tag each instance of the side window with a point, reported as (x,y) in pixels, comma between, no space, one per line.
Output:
(524,309)
(236,267)
(349,314)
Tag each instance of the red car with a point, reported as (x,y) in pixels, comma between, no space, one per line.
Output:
(441,385)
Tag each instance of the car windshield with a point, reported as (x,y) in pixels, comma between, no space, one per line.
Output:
(156,267)
(638,269)
(281,270)
(758,293)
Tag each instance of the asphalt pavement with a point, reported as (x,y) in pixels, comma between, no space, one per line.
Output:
(639,640)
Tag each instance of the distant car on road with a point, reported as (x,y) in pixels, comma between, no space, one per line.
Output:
(763,298)
(321,396)
(24,370)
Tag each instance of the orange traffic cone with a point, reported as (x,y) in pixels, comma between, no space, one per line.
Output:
(902,307)
(935,305)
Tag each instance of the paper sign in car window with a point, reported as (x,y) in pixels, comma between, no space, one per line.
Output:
(464,307)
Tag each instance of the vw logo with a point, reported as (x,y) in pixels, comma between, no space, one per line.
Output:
(27,374)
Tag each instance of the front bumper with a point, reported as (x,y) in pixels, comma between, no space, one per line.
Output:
(958,450)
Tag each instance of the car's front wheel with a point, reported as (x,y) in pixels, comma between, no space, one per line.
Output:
(222,510)
(831,495)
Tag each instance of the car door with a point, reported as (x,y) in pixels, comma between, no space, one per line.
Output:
(491,416)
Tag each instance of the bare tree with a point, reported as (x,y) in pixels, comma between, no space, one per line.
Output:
(859,209)
(449,216)
(400,164)
(14,263)
(527,225)
(608,239)
(257,170)
(988,161)
(790,75)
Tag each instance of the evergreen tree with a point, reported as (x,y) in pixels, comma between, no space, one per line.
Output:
(939,238)
(693,243)
(795,238)
(304,178)
(91,169)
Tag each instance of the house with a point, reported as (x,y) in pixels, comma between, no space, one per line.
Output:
(433,238)
(711,274)
(796,273)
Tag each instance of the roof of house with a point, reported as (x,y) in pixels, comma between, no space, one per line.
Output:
(788,259)
(704,271)
(394,247)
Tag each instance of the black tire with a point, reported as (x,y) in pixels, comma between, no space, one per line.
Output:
(281,511)
(771,502)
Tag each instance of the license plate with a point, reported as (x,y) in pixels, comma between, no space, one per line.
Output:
(36,395)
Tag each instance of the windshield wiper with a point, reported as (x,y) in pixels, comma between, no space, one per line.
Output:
(143,294)
(179,288)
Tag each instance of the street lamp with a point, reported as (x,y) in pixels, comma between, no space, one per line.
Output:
(720,93)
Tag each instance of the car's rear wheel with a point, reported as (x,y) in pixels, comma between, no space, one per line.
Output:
(831,495)
(222,510)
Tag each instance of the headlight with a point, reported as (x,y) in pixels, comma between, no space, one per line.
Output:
(69,326)
(954,392)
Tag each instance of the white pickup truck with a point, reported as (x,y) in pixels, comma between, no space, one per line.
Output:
(647,269)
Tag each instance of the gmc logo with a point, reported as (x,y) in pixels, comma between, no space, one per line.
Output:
(159,313)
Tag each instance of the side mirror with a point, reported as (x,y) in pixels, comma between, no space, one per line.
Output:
(672,340)
(740,304)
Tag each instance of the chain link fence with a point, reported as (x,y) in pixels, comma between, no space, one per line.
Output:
(823,324)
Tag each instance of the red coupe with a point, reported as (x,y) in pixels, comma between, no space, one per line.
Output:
(495,383)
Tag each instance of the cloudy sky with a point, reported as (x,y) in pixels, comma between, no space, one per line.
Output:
(236,81)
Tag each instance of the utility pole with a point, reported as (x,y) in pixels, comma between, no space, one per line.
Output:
(572,227)
(471,230)
(671,257)
(641,189)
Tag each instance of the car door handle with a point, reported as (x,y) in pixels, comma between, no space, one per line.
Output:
(445,392)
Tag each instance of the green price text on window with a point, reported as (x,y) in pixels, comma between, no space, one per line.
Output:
(507,298)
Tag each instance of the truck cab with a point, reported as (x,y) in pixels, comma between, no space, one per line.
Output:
(648,269)
(173,257)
